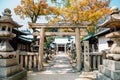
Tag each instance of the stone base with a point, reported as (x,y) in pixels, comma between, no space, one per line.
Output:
(110,70)
(18,76)
(115,75)
(112,64)
(101,76)
(4,55)
(7,71)
(10,69)
(8,62)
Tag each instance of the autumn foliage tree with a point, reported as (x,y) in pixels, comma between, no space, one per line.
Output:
(82,12)
(32,9)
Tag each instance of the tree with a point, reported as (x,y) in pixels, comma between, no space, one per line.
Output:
(32,9)
(81,12)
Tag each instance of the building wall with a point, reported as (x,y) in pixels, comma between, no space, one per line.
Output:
(102,43)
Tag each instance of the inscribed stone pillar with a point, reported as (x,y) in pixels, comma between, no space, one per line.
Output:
(86,56)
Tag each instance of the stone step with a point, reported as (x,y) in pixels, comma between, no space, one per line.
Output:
(113,74)
(112,64)
(21,75)
(101,76)
(8,62)
(7,71)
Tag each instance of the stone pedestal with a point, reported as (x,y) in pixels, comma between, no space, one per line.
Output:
(10,69)
(110,70)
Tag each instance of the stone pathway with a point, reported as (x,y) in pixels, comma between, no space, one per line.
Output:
(60,69)
(60,64)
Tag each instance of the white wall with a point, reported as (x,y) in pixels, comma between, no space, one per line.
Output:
(61,40)
(102,43)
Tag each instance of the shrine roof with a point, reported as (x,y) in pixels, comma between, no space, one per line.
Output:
(103,32)
(19,32)
(88,37)
(25,38)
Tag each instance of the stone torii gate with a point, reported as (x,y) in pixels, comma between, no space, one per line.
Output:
(42,33)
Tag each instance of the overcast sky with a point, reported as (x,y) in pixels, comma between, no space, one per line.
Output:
(13,3)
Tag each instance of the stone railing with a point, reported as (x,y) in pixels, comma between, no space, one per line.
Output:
(96,59)
(28,60)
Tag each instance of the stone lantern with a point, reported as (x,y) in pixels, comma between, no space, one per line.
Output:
(10,69)
(6,25)
(114,24)
(110,70)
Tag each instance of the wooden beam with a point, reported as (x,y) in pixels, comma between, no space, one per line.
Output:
(36,33)
(47,25)
(57,34)
(60,33)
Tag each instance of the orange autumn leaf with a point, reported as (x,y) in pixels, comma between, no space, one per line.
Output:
(32,9)
(79,11)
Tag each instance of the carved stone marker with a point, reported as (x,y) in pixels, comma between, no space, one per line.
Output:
(86,56)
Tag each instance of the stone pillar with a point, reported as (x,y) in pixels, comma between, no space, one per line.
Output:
(86,56)
(93,48)
(78,49)
(10,29)
(65,48)
(71,46)
(56,48)
(0,28)
(41,50)
(94,62)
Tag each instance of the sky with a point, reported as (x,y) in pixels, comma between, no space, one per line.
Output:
(13,3)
